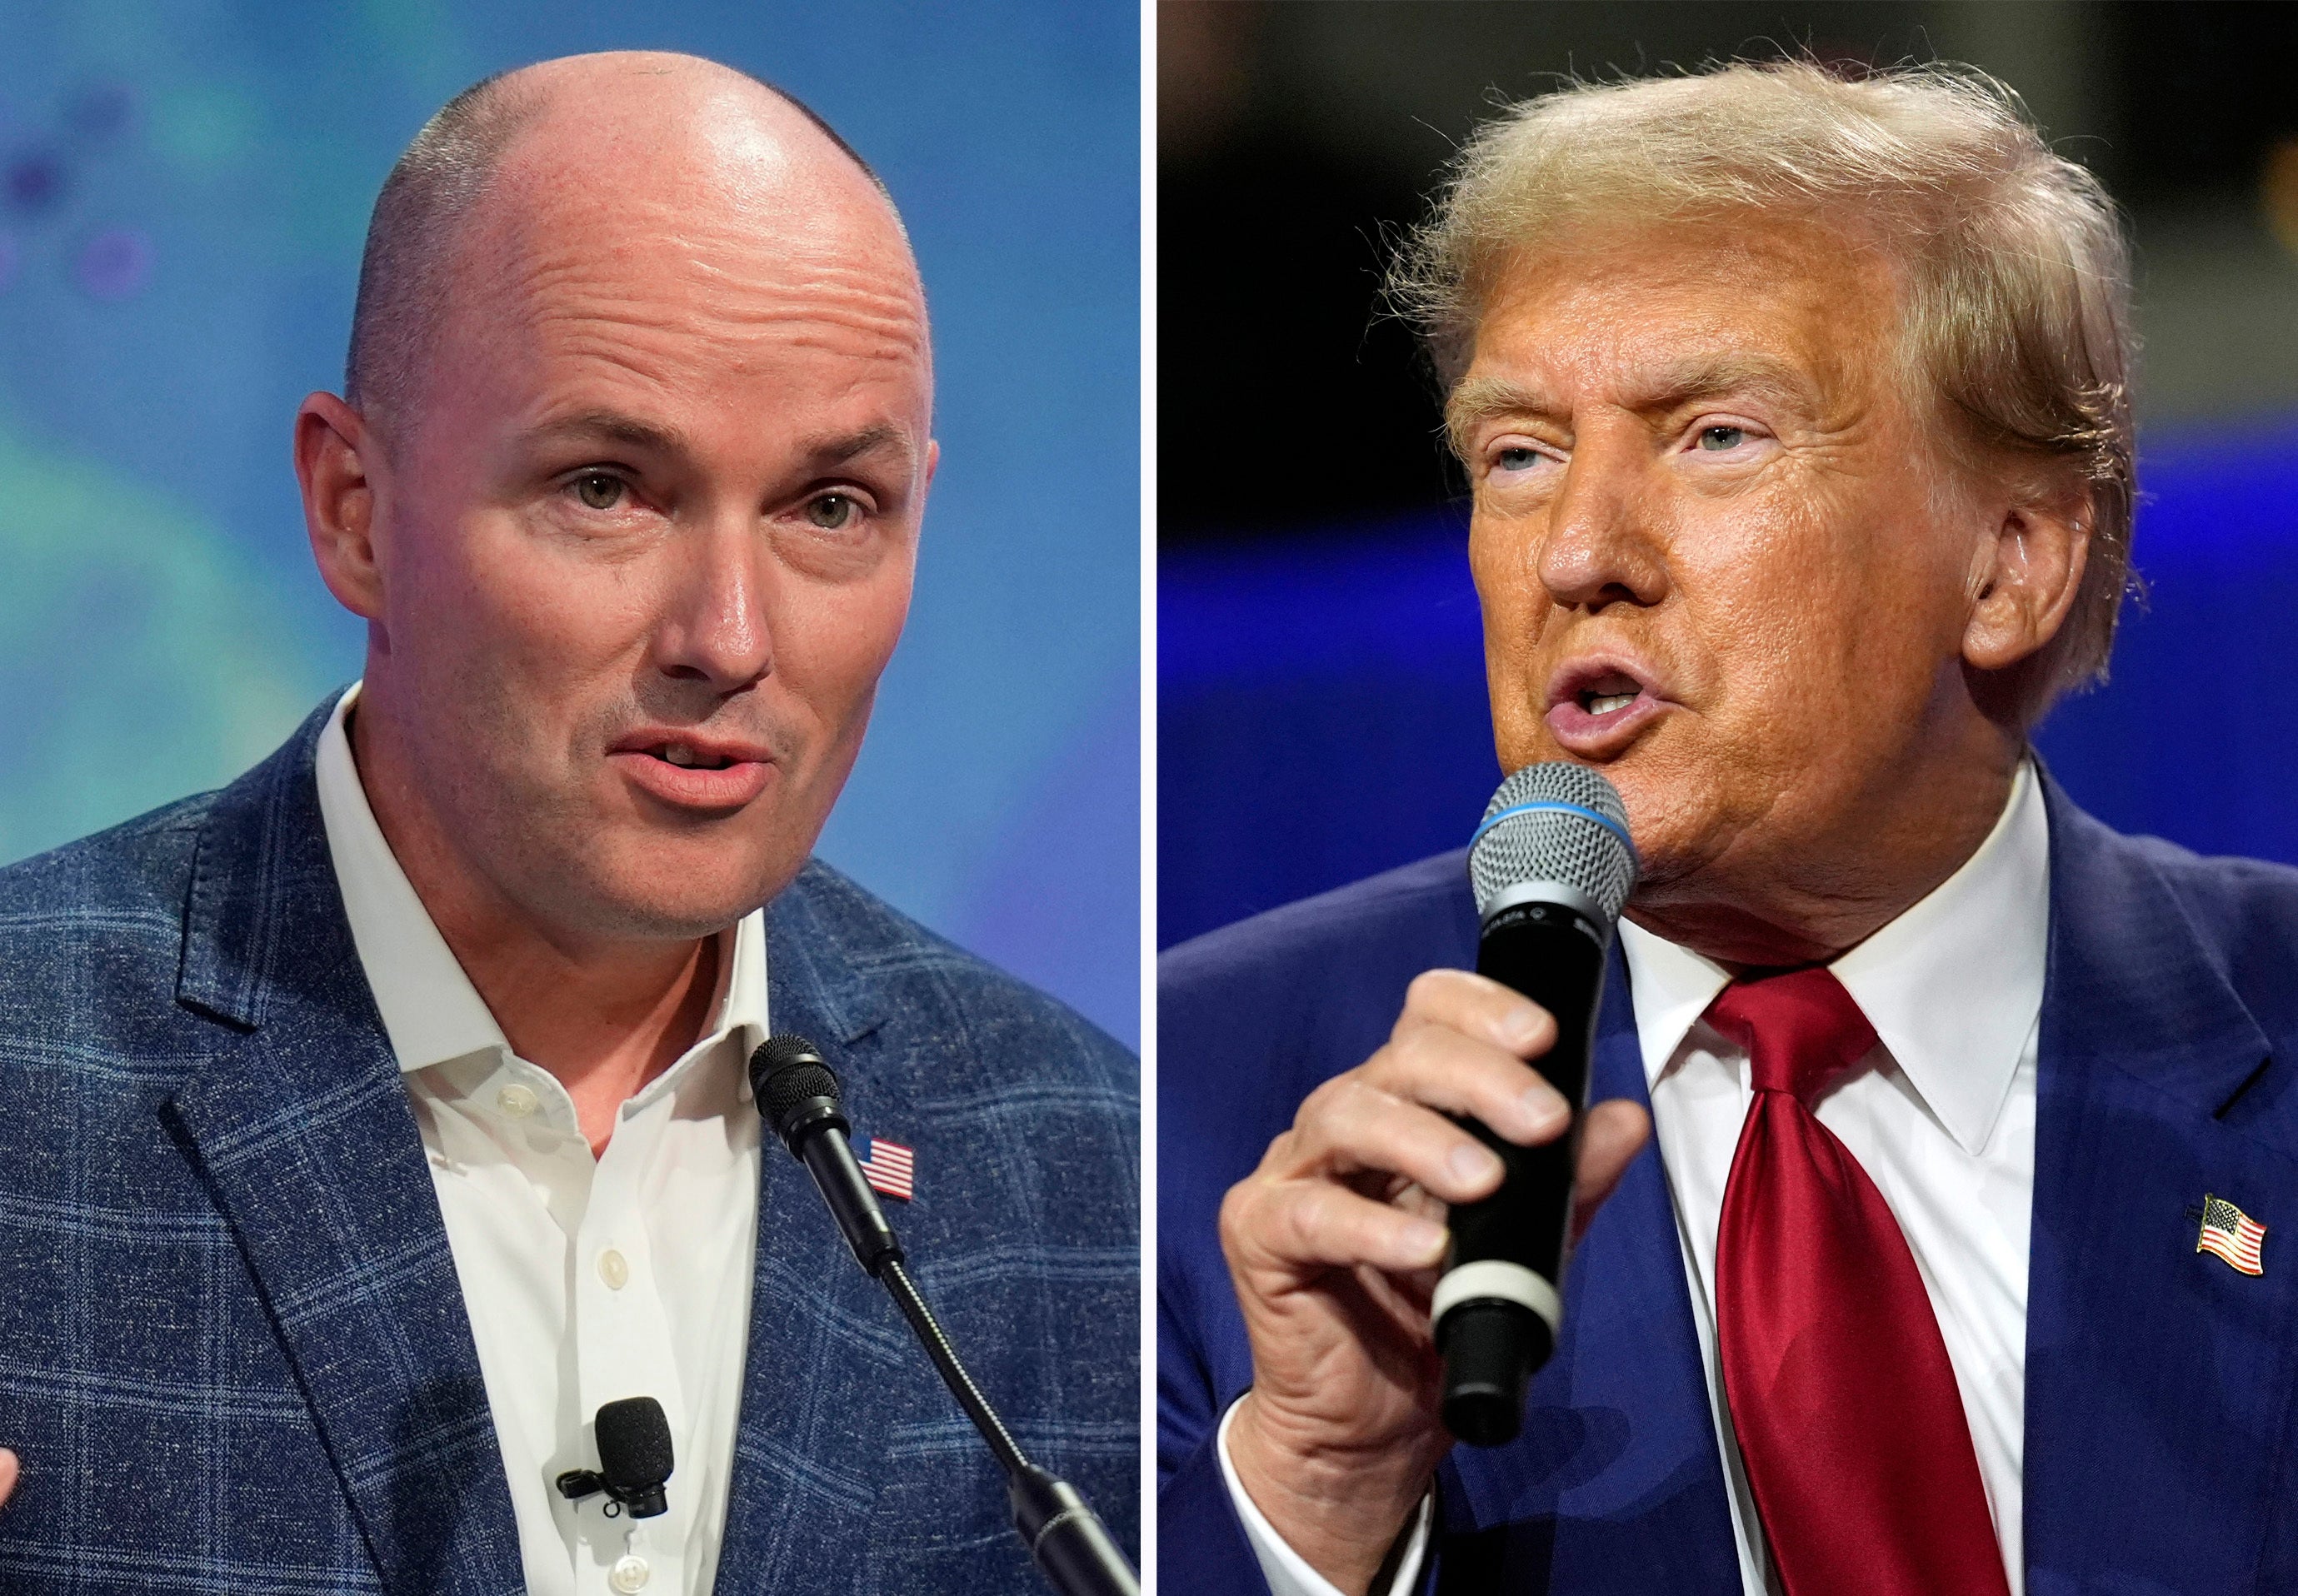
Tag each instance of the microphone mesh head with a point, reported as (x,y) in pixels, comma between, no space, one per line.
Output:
(785,1071)
(797,1084)
(633,1444)
(1548,843)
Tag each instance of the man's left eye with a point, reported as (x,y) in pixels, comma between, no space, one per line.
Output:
(600,491)
(1718,439)
(832,512)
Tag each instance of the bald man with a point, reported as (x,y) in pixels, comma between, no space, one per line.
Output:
(369,1124)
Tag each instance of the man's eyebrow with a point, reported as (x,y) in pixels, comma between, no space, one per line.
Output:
(610,426)
(1680,382)
(1480,398)
(1663,388)
(837,448)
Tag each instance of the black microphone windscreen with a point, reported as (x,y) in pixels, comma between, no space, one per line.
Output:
(633,1439)
(797,1083)
(785,1071)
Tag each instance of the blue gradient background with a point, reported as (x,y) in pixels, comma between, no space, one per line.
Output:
(184,189)
(1322,712)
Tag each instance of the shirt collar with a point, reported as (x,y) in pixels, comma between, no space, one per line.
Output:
(431,1011)
(1954,986)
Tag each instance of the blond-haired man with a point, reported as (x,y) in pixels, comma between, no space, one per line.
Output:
(1795,411)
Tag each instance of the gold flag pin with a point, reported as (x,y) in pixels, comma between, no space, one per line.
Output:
(2231,1234)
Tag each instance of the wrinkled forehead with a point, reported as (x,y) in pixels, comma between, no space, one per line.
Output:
(1734,295)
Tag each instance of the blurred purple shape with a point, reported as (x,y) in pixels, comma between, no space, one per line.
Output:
(114,264)
(100,110)
(35,180)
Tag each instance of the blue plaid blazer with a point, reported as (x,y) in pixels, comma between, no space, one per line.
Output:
(234,1355)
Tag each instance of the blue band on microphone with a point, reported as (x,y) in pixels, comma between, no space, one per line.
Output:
(1553,805)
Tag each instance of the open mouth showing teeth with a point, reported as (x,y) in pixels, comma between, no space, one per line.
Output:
(686,758)
(1609,694)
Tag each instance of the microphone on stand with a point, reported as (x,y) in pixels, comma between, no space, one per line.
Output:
(798,1096)
(1552,866)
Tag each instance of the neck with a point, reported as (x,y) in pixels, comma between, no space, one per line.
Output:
(604,1016)
(1770,901)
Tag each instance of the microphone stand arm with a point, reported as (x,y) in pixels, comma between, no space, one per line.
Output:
(1070,1545)
(797,1095)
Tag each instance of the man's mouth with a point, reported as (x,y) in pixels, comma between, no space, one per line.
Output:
(1595,710)
(687,757)
(1608,694)
(688,772)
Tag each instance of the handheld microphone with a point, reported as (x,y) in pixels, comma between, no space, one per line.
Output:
(797,1095)
(1552,865)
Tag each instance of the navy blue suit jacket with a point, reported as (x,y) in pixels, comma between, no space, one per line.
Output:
(2158,1452)
(233,1352)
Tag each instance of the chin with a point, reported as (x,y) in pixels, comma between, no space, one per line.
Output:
(673,891)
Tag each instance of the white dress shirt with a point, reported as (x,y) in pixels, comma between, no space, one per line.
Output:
(1940,1114)
(586,1280)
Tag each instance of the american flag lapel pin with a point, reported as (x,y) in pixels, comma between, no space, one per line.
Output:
(2231,1234)
(889,1167)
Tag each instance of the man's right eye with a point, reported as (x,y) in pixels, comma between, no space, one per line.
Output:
(1517,460)
(600,491)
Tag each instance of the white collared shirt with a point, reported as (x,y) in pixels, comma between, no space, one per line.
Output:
(586,1280)
(1941,1116)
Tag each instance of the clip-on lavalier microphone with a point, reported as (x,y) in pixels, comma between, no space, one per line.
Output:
(633,1459)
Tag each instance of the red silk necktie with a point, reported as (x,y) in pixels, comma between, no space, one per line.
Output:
(1849,1423)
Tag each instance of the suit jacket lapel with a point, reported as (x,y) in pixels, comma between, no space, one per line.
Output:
(299,1126)
(1617,1484)
(823,1333)
(2158,1378)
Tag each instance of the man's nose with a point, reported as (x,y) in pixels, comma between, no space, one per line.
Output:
(1602,545)
(715,629)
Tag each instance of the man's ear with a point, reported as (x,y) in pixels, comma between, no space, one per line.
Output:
(335,455)
(2025,579)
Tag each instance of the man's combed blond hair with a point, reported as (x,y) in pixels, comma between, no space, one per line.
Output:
(2017,275)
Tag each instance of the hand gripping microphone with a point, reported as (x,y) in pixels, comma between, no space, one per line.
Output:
(798,1097)
(1552,865)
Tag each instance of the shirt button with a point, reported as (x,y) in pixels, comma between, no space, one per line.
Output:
(616,1270)
(516,1100)
(629,1574)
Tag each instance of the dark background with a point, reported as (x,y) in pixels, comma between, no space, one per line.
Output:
(1321,700)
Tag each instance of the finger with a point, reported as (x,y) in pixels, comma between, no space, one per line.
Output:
(1480,1006)
(9,1470)
(1322,1224)
(1350,1124)
(1414,1198)
(1461,1073)
(1614,1133)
